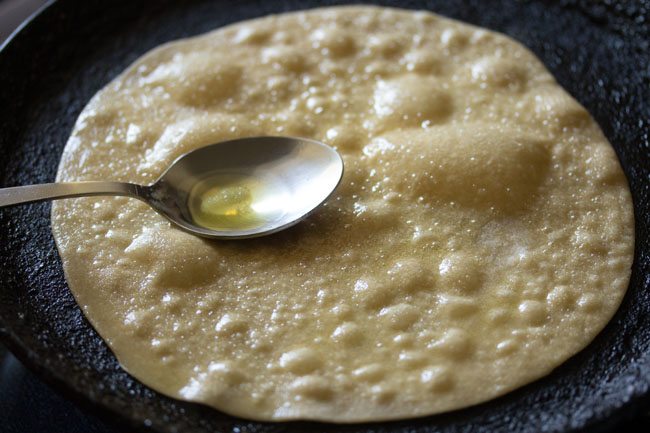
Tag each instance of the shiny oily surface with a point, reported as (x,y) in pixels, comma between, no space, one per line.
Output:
(237,202)
(482,233)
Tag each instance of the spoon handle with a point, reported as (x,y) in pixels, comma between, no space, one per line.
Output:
(50,191)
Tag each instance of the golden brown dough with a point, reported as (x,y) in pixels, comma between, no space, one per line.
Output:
(482,234)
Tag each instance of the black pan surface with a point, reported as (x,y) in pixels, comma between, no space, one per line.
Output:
(599,51)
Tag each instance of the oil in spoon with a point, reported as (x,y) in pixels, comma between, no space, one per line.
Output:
(236,202)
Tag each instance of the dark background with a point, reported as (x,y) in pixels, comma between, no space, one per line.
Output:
(26,403)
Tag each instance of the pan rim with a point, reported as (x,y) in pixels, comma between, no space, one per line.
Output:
(31,359)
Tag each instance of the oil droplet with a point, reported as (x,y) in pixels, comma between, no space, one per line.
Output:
(235,202)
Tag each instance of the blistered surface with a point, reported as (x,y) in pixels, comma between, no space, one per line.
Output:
(482,233)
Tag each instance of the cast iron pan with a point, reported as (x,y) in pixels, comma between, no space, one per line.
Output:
(53,66)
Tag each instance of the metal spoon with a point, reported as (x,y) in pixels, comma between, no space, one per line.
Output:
(290,177)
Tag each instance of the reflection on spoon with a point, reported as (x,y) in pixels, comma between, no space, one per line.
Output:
(236,202)
(230,190)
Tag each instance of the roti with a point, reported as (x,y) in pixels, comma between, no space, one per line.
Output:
(481,235)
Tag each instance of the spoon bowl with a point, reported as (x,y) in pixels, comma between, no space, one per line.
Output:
(293,175)
(235,189)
